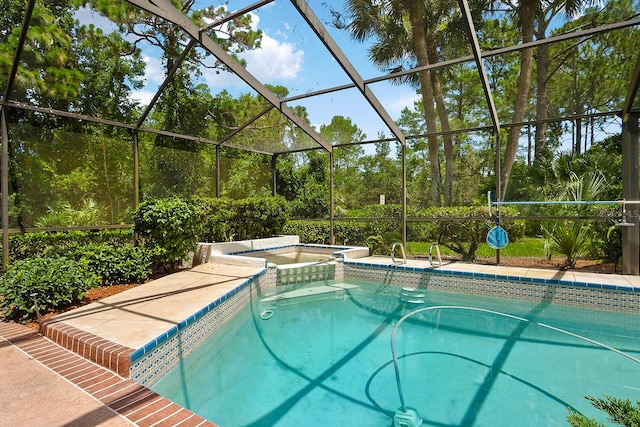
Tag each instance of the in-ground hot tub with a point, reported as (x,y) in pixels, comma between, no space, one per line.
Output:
(302,263)
(294,262)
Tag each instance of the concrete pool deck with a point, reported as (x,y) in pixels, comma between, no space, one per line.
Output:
(46,384)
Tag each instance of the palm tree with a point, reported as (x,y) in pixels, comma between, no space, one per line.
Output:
(529,13)
(408,28)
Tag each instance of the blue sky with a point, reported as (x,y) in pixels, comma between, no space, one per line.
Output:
(292,56)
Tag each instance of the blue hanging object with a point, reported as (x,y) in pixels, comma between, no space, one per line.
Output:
(497,238)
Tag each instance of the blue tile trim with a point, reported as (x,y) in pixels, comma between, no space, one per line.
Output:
(182,325)
(523,279)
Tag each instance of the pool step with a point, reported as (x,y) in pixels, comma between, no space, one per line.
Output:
(412,295)
(311,291)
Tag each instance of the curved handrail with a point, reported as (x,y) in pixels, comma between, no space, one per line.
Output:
(454,307)
(437,246)
(393,253)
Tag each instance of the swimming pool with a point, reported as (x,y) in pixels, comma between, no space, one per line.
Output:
(318,357)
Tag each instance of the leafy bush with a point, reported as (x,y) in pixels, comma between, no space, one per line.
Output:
(115,264)
(54,282)
(255,217)
(258,217)
(218,216)
(48,244)
(354,233)
(605,239)
(462,228)
(171,227)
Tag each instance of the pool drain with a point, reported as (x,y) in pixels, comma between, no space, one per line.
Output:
(266,315)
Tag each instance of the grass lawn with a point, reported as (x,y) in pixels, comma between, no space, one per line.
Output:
(524,247)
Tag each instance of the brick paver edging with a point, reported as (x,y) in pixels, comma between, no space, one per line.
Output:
(136,403)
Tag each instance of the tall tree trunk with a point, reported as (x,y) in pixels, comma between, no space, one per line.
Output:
(444,123)
(527,17)
(542,100)
(419,41)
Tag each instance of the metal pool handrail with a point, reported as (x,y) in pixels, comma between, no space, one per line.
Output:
(393,253)
(454,307)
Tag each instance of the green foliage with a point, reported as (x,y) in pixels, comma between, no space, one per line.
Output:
(115,265)
(621,412)
(354,233)
(218,219)
(460,230)
(67,216)
(171,227)
(54,282)
(605,239)
(568,238)
(45,244)
(255,217)
(259,217)
(572,238)
(316,232)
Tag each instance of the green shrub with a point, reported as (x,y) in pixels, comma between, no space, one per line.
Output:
(258,217)
(171,227)
(217,225)
(315,232)
(47,244)
(116,264)
(255,217)
(54,282)
(353,233)
(462,229)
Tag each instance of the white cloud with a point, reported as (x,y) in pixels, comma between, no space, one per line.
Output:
(154,70)
(153,76)
(274,61)
(143,96)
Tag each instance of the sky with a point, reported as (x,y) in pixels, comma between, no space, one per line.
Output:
(292,56)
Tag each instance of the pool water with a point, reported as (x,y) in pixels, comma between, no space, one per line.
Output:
(324,360)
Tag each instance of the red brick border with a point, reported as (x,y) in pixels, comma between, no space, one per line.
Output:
(130,400)
(112,356)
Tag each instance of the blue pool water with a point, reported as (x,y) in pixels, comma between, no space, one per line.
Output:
(325,360)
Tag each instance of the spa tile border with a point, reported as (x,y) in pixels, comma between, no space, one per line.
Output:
(136,403)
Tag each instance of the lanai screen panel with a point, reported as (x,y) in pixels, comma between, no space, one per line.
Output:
(67,173)
(174,167)
(244,174)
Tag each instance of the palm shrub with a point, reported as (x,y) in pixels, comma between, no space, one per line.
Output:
(572,238)
(54,282)
(171,227)
(620,411)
